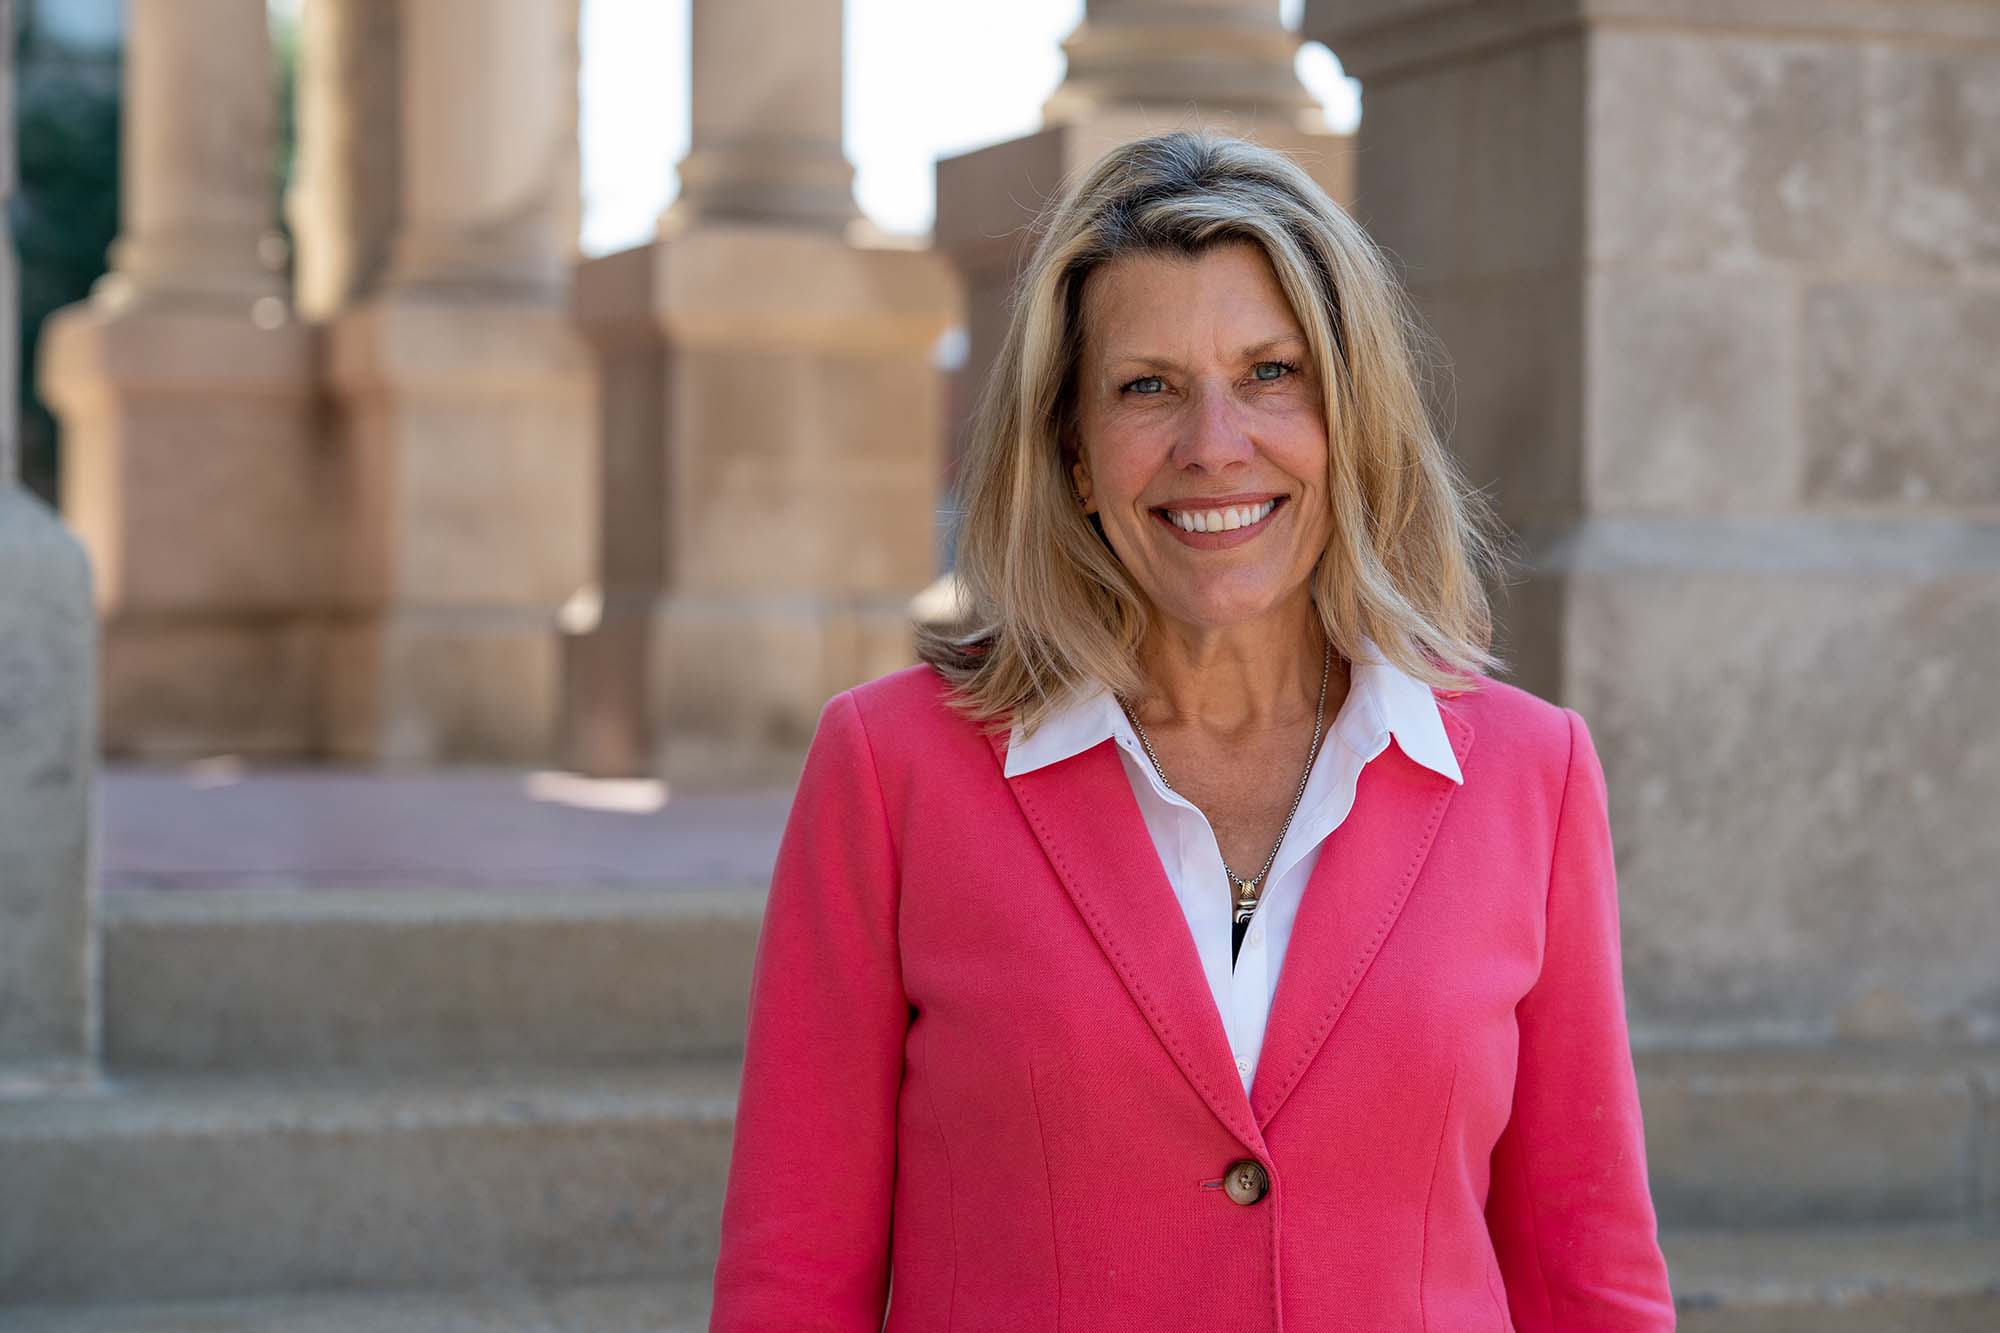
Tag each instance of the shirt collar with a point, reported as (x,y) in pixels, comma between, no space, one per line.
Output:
(1382,699)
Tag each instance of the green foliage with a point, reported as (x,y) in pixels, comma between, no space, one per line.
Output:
(285,50)
(65,208)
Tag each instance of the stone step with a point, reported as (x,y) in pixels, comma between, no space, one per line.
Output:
(381,979)
(1837,1280)
(654,1305)
(210,1186)
(423,979)
(1863,1135)
(240,979)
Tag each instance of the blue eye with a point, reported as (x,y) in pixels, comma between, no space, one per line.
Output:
(1146,379)
(1282,367)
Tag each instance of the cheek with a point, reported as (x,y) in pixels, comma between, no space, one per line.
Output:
(1301,448)
(1123,460)
(1315,532)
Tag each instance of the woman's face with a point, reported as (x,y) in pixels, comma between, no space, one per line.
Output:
(1196,395)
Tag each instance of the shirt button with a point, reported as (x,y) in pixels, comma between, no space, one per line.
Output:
(1243,1064)
(1257,935)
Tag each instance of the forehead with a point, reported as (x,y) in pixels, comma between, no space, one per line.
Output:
(1132,303)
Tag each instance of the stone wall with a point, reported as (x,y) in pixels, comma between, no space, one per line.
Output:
(1718,285)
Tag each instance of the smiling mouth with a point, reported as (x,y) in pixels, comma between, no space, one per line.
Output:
(1228,518)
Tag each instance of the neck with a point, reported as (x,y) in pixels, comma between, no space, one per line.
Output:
(1233,682)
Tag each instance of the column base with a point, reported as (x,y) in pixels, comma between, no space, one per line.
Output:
(737,683)
(759,183)
(193,469)
(197,684)
(719,694)
(424,686)
(468,478)
(772,426)
(196,473)
(606,729)
(1172,57)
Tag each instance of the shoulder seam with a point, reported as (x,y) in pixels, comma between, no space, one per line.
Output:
(1562,812)
(875,773)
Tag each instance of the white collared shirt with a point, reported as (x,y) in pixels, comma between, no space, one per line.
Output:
(1382,701)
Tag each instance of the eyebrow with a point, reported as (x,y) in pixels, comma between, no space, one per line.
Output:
(1255,349)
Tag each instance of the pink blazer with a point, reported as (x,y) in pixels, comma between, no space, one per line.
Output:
(983,1062)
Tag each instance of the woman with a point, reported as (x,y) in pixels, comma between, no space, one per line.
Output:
(1204,942)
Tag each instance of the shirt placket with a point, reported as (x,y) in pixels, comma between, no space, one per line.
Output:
(1248,983)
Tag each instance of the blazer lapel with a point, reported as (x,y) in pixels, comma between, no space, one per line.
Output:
(1357,890)
(1083,813)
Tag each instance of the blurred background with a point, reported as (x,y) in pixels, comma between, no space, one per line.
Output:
(461,444)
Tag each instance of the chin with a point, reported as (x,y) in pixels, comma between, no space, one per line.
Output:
(1220,613)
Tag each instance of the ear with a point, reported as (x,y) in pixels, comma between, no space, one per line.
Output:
(1079,473)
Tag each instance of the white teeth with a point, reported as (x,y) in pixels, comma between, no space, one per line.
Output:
(1220,520)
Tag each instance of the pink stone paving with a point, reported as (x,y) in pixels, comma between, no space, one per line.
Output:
(200,826)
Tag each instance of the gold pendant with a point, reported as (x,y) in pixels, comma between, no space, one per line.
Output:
(1246,899)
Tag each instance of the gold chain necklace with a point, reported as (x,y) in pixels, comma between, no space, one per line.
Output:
(1245,891)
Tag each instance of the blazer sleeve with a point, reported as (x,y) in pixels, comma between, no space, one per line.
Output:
(805,1237)
(1569,1208)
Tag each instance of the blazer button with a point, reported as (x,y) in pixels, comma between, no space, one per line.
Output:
(1246,1181)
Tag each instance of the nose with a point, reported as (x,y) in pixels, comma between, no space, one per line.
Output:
(1215,432)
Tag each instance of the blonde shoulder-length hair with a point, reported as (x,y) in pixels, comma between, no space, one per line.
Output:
(1051,606)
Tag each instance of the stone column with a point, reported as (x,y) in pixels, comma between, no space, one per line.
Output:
(765,130)
(347,182)
(484,124)
(48,743)
(1721,284)
(192,466)
(771,425)
(1136,67)
(466,405)
(199,119)
(566,217)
